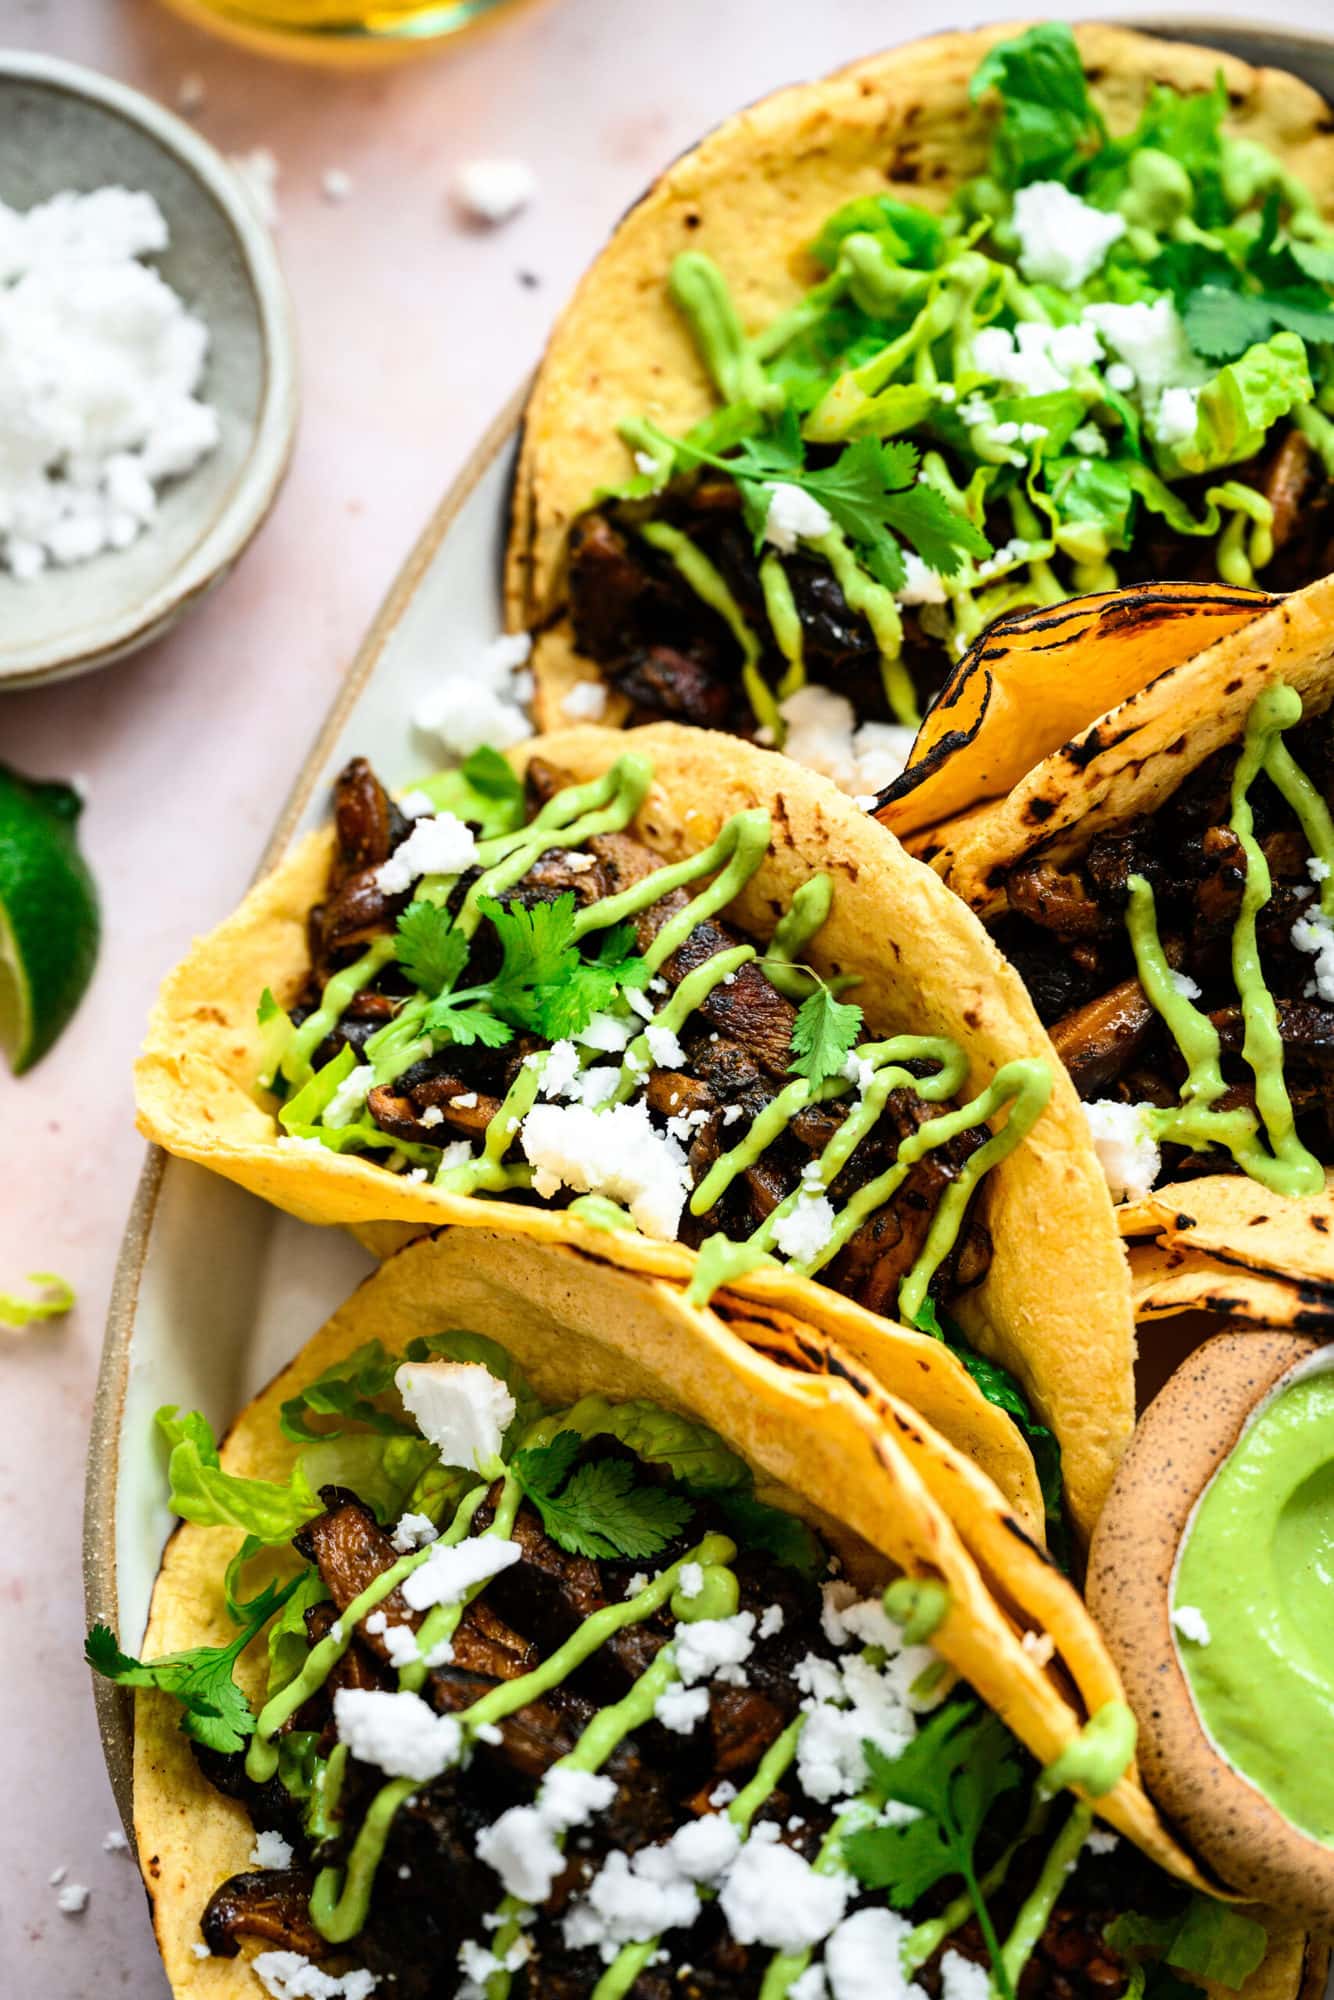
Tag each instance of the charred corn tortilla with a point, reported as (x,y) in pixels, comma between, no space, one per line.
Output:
(860,1465)
(1054,1305)
(752,196)
(1269,1255)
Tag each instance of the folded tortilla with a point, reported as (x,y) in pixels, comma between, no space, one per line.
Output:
(1054,1306)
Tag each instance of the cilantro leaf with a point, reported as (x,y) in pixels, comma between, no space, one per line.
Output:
(764,1530)
(483,790)
(1222,323)
(616,967)
(1316,259)
(602,1512)
(430,950)
(1047,120)
(953,1771)
(544,984)
(823,1035)
(217,1714)
(940,536)
(464,1026)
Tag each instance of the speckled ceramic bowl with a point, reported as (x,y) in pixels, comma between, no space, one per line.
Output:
(1180,1442)
(63,127)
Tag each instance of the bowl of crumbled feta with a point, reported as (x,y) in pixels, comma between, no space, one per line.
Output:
(147,370)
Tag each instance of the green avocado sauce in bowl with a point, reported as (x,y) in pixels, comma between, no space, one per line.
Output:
(1253,1603)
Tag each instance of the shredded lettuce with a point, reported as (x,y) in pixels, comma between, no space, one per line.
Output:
(202,1492)
(484,790)
(1238,407)
(1047,122)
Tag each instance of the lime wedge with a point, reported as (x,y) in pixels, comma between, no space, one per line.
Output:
(49,927)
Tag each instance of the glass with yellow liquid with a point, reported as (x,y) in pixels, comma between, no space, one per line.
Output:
(353,33)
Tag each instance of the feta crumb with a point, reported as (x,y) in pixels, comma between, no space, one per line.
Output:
(587,702)
(617,1152)
(691,1580)
(1088,441)
(560,1071)
(1120,378)
(664,1048)
(483,705)
(862,1960)
(682,1709)
(415,1531)
(494,190)
(289,1975)
(1192,1624)
(771,1622)
(271,1851)
(794,515)
(605,1034)
(1040,1646)
(463,1100)
(772,1896)
(722,1794)
(639,1581)
(806,1230)
(1127,1151)
(1317,869)
(1182,983)
(460,1407)
(441,845)
(1314,934)
(715,1648)
(1062,240)
(72,1900)
(1149,340)
(732,1113)
(398,1733)
(522,1845)
(201,1951)
(1035,358)
(1177,416)
(961,1979)
(453,1569)
(822,733)
(923,585)
(115,1842)
(413,804)
(56,1877)
(1101,1840)
(335,184)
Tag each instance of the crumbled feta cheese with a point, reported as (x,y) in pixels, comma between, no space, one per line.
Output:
(682,1709)
(494,190)
(522,1846)
(1182,983)
(483,705)
(605,1034)
(1035,358)
(461,1408)
(453,1569)
(351,1094)
(335,184)
(922,585)
(413,804)
(656,1890)
(456,1154)
(822,734)
(806,1230)
(1314,934)
(862,1962)
(560,1070)
(102,362)
(639,1581)
(586,702)
(794,515)
(772,1896)
(400,1645)
(664,1048)
(1040,1646)
(639,1003)
(72,1900)
(1088,441)
(1062,240)
(56,1877)
(1317,869)
(715,1648)
(271,1851)
(288,1975)
(1101,1840)
(733,1113)
(1177,416)
(616,1152)
(722,1794)
(479,1966)
(690,1581)
(771,1622)
(1127,1150)
(1150,340)
(115,1842)
(962,1979)
(440,845)
(398,1733)
(201,1950)
(811,1985)
(257,172)
(1192,1624)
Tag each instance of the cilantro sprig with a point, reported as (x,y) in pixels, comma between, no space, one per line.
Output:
(597,1509)
(824,1034)
(217,1714)
(544,984)
(953,1771)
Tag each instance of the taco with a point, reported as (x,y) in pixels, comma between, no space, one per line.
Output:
(982,323)
(602,1008)
(1164,883)
(565,1691)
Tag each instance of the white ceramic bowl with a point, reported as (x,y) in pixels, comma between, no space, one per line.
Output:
(65,127)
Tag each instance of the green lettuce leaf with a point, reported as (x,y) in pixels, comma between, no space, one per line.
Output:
(347,1389)
(690,1451)
(288,1645)
(382,1471)
(1237,408)
(484,790)
(201,1491)
(1047,120)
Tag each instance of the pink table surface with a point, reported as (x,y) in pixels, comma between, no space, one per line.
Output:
(413,330)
